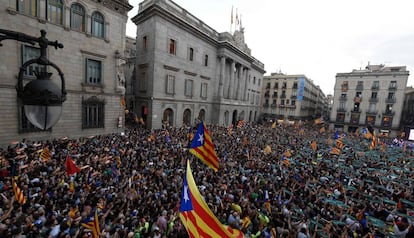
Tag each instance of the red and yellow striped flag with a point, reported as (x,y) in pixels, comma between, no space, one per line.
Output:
(335,151)
(196,216)
(339,144)
(45,155)
(18,193)
(287,153)
(93,225)
(203,148)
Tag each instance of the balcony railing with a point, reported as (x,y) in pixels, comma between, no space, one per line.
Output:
(275,95)
(390,100)
(359,87)
(373,100)
(267,95)
(342,98)
(283,96)
(341,110)
(375,87)
(388,113)
(392,87)
(293,97)
(265,104)
(371,112)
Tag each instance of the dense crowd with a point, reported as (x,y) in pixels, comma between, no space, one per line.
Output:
(133,182)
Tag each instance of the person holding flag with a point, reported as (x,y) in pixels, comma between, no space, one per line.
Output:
(203,148)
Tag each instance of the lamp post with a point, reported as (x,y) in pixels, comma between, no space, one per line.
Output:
(42,99)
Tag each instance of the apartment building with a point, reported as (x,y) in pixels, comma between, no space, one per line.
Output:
(292,97)
(372,96)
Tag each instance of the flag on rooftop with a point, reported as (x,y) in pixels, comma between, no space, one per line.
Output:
(203,148)
(196,216)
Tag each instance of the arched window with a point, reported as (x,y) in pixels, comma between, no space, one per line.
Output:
(202,115)
(77,17)
(55,11)
(168,116)
(187,117)
(28,7)
(98,23)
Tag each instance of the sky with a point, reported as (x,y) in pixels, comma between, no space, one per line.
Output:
(317,38)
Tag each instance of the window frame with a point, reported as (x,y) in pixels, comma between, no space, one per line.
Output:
(172,46)
(170,84)
(95,108)
(203,91)
(88,73)
(188,88)
(98,25)
(205,60)
(144,42)
(34,67)
(33,7)
(53,6)
(77,12)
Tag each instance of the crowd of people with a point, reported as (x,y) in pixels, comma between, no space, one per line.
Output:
(272,182)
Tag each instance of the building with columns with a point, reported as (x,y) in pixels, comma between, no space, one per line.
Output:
(92,61)
(292,97)
(186,71)
(373,96)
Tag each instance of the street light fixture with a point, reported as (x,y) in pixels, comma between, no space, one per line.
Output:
(42,99)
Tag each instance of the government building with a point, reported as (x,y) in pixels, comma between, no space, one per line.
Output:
(373,96)
(92,61)
(187,72)
(292,97)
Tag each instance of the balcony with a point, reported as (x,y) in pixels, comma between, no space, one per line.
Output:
(356,111)
(341,110)
(390,100)
(357,99)
(282,105)
(273,105)
(371,112)
(388,113)
(268,86)
(373,100)
(375,87)
(360,87)
(283,96)
(342,98)
(275,95)
(292,97)
(267,95)
(392,87)
(265,105)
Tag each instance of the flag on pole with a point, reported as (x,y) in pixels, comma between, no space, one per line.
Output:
(93,225)
(373,142)
(231,17)
(274,125)
(285,161)
(46,154)
(20,198)
(335,151)
(71,167)
(196,216)
(203,148)
(339,144)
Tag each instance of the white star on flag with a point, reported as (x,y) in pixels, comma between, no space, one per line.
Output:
(186,198)
(201,138)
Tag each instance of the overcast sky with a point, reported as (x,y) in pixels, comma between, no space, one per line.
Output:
(317,38)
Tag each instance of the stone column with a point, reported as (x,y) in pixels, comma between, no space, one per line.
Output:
(231,85)
(246,83)
(238,81)
(242,84)
(222,76)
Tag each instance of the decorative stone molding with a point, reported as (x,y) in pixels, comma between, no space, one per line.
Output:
(205,77)
(121,6)
(171,68)
(190,73)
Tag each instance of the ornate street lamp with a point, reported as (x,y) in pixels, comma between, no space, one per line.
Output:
(42,99)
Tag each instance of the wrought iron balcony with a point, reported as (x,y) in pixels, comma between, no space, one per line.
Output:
(373,100)
(390,100)
(341,110)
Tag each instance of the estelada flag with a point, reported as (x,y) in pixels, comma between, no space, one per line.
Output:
(203,148)
(287,153)
(196,216)
(45,155)
(18,193)
(71,167)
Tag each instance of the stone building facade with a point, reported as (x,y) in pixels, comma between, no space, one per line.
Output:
(372,96)
(292,97)
(93,35)
(186,71)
